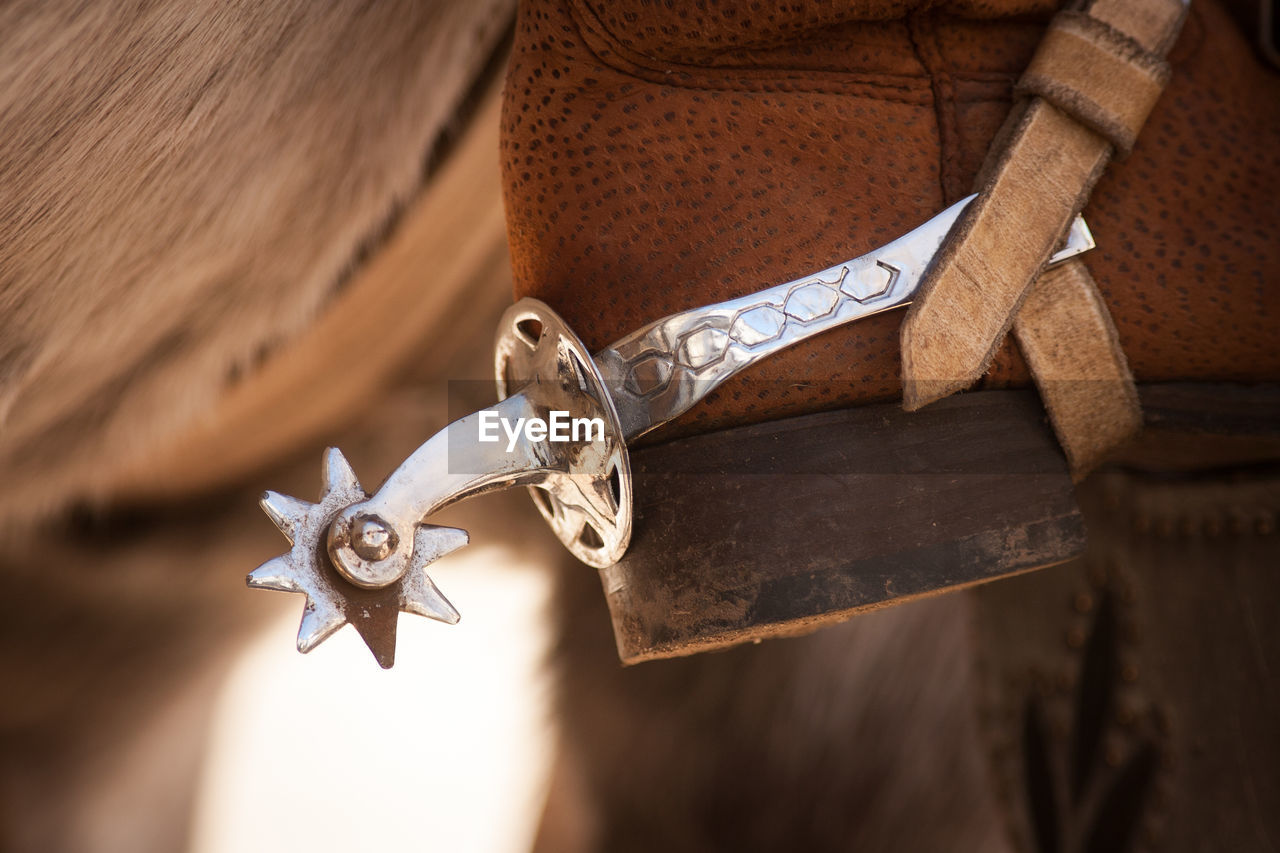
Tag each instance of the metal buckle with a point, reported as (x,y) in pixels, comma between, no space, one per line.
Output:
(362,559)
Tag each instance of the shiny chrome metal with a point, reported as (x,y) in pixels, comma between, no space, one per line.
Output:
(330,604)
(380,545)
(588,484)
(1079,240)
(587,502)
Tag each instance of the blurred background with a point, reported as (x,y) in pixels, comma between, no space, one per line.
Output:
(454,744)
(232,234)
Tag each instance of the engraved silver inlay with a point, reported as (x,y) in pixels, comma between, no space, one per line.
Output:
(703,348)
(650,374)
(874,282)
(757,325)
(810,302)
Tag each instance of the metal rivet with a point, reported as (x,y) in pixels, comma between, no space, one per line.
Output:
(372,538)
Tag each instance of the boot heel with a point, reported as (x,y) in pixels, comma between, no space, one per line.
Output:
(783,527)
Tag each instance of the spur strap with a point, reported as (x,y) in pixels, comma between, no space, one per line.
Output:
(1090,87)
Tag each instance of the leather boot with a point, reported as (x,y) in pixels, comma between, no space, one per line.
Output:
(662,157)
(659,160)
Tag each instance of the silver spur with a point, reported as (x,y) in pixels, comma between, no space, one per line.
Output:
(561,427)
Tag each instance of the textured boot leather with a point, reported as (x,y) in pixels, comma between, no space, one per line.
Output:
(658,157)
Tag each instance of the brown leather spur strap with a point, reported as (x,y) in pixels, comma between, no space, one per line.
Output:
(1087,92)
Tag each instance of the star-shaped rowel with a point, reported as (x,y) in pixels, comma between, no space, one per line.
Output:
(332,601)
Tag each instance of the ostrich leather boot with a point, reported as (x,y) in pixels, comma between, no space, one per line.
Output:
(661,157)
